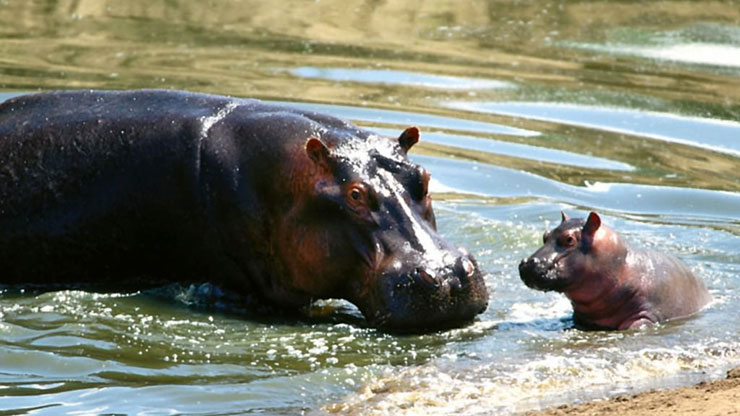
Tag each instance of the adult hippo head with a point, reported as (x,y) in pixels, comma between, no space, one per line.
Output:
(361,227)
(102,188)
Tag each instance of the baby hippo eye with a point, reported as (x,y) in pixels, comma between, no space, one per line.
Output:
(567,240)
(545,236)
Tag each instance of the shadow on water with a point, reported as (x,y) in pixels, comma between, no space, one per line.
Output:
(541,324)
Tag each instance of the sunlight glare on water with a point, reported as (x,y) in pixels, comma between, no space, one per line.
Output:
(387,76)
(692,53)
(716,135)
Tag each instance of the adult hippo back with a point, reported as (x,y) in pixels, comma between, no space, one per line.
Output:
(117,191)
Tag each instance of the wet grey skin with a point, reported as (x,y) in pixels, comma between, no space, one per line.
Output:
(120,191)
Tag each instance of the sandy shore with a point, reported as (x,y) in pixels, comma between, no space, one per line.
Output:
(721,397)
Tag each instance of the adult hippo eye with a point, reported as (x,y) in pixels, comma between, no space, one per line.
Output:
(355,194)
(361,198)
(545,236)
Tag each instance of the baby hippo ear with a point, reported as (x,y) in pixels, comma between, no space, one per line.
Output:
(408,138)
(564,217)
(592,224)
(318,152)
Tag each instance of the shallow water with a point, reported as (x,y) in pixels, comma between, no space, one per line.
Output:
(525,108)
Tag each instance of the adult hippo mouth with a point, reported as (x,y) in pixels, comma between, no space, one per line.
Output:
(101,189)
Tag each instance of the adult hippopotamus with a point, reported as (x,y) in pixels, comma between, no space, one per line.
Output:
(611,284)
(117,191)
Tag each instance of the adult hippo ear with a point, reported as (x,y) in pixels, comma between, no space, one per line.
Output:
(408,138)
(318,152)
(593,222)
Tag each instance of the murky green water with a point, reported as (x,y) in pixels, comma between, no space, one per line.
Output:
(526,108)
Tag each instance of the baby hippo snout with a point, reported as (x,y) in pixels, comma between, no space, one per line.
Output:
(538,274)
(527,271)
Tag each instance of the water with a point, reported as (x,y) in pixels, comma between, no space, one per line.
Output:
(526,108)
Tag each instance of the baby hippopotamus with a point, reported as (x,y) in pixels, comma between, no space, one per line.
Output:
(611,284)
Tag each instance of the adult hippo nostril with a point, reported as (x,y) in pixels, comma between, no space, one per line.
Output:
(465,268)
(455,283)
(468,267)
(426,279)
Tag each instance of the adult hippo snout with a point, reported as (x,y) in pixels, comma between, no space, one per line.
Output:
(419,280)
(429,297)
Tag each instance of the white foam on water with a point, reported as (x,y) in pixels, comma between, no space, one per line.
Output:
(549,380)
(527,311)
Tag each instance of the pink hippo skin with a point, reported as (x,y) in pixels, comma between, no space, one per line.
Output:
(610,284)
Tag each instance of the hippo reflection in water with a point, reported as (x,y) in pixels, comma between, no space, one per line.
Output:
(118,191)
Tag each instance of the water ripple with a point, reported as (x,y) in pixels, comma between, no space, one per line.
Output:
(394,77)
(518,150)
(411,119)
(495,181)
(711,134)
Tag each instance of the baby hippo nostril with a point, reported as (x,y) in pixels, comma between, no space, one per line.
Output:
(526,270)
(527,263)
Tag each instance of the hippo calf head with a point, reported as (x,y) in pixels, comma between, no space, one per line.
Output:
(366,232)
(572,254)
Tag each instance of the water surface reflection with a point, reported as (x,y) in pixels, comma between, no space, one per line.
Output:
(525,108)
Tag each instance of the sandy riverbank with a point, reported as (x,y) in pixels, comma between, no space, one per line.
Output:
(721,397)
